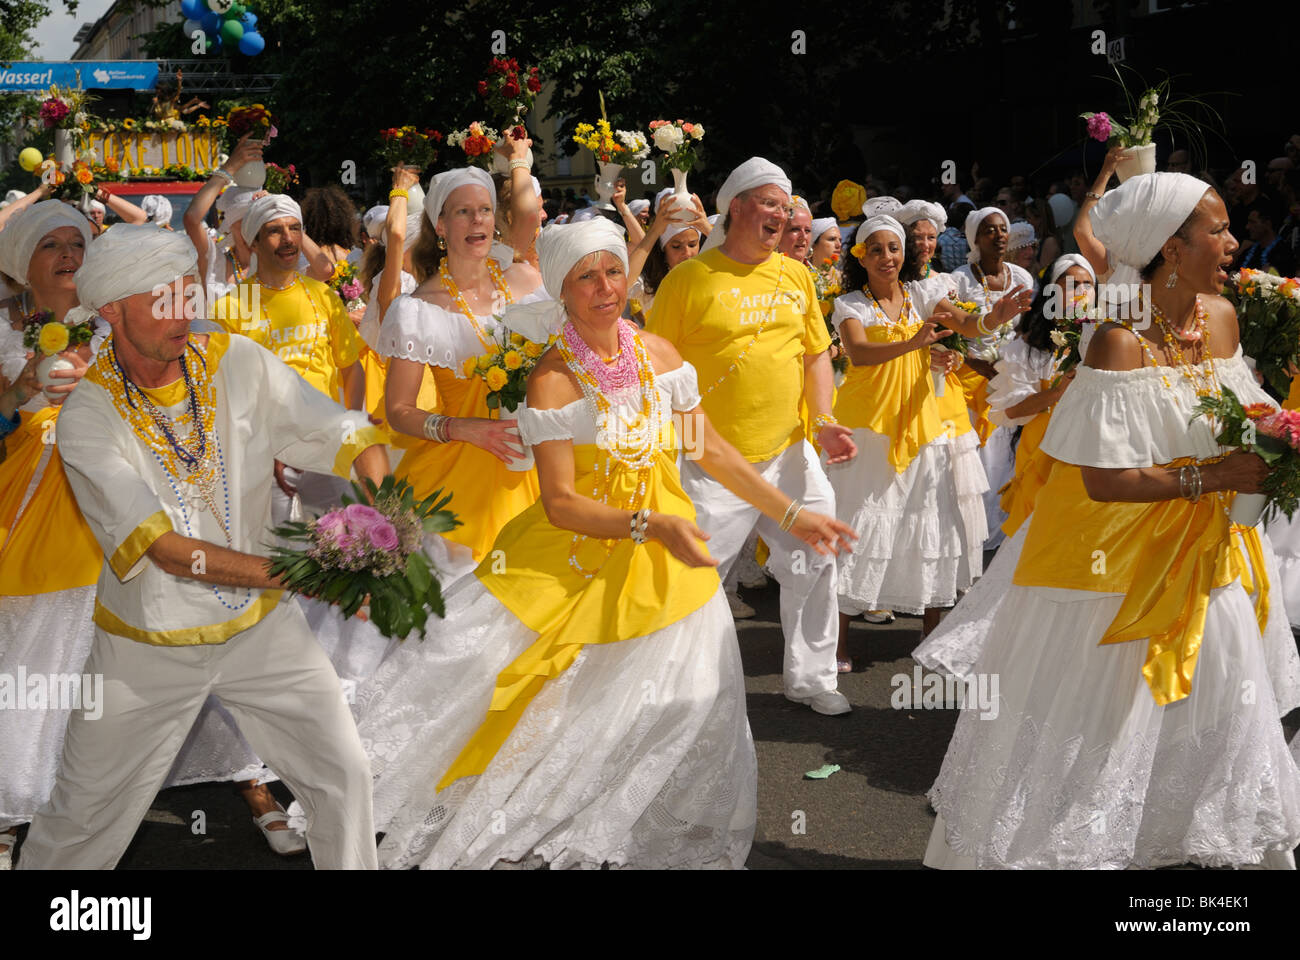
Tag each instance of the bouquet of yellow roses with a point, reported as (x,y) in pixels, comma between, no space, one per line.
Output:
(505,367)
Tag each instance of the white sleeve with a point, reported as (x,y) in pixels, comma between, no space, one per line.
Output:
(1017,379)
(853,305)
(538,426)
(684,385)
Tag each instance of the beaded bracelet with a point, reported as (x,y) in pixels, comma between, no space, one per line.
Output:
(222,173)
(640,521)
(822,421)
(517,164)
(397,192)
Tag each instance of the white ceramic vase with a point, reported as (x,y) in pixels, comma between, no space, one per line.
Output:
(48,365)
(527,462)
(251,174)
(1136,160)
(65,153)
(501,164)
(683,206)
(1247,508)
(605,183)
(940,381)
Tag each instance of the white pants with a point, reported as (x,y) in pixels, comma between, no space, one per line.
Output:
(279,685)
(809,615)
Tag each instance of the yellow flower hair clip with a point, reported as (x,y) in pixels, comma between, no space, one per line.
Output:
(859,250)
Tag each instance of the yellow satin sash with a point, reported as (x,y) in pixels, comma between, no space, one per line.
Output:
(487,494)
(976,388)
(49,547)
(1031,471)
(1165,557)
(1292,401)
(954,414)
(894,399)
(638,589)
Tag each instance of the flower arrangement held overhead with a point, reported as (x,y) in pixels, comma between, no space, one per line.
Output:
(408,147)
(1268,317)
(279,179)
(477,140)
(509,92)
(358,551)
(677,140)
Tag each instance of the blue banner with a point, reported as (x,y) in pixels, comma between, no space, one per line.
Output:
(29,76)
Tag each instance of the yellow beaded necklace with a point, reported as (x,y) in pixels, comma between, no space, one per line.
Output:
(458,298)
(771,312)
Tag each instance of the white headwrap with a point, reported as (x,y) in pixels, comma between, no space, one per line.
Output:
(558,249)
(373,220)
(130,259)
(821,225)
(916,210)
(973,221)
(1020,234)
(1134,220)
(273,206)
(880,222)
(586,213)
(799,203)
(659,197)
(881,206)
(638,207)
(754,172)
(1065,262)
(671,231)
(441,186)
(98,207)
(233,204)
(1062,209)
(20,236)
(157,208)
(13,195)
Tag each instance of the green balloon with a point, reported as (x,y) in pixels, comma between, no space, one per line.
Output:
(231,31)
(236,11)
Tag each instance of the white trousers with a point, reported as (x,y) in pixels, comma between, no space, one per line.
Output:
(279,686)
(809,615)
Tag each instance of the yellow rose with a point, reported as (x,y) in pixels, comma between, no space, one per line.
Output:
(847,199)
(517,339)
(471,365)
(486,360)
(53,338)
(534,350)
(496,378)
(513,359)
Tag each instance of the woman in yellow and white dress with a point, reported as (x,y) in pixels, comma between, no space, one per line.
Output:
(1118,734)
(585,703)
(447,321)
(899,494)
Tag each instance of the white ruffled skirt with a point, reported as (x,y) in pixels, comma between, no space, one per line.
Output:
(998,456)
(1285,535)
(638,755)
(1080,768)
(912,550)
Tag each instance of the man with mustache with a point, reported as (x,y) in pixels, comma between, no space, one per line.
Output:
(746,316)
(302,322)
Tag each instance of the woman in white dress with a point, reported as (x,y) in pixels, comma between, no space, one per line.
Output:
(984,280)
(584,703)
(900,494)
(1120,735)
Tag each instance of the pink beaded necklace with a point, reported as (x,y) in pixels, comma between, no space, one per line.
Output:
(611,377)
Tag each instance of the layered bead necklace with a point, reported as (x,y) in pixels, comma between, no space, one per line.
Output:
(767,318)
(1204,384)
(458,298)
(196,460)
(631,444)
(897,328)
(984,281)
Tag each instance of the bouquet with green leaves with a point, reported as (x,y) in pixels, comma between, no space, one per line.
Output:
(369,550)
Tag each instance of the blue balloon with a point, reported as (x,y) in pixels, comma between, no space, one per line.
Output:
(211,21)
(249,20)
(193,9)
(215,41)
(251,44)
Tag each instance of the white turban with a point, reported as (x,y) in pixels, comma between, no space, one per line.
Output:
(753,173)
(638,207)
(1134,220)
(233,204)
(441,186)
(273,206)
(13,195)
(821,225)
(130,259)
(916,210)
(1065,262)
(1020,234)
(558,249)
(878,223)
(881,206)
(373,220)
(96,205)
(157,208)
(659,197)
(672,230)
(1062,209)
(799,203)
(19,238)
(973,221)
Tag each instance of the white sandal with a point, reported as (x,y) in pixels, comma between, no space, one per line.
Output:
(286,843)
(10,840)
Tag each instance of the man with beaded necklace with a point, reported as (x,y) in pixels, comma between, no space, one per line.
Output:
(169,448)
(747,318)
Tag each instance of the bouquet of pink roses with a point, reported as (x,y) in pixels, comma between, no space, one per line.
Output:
(1264,430)
(361,551)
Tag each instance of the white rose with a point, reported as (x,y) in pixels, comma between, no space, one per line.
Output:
(668,138)
(1059,339)
(698,132)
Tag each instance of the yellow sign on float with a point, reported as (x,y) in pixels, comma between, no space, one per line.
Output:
(134,151)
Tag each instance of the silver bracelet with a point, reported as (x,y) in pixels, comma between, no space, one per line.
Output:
(791,512)
(435,427)
(1189,482)
(221,173)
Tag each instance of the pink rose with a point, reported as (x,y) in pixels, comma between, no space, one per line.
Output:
(350,290)
(1099,126)
(383,536)
(361,518)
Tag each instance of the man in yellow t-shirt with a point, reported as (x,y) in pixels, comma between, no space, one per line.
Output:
(302,322)
(747,318)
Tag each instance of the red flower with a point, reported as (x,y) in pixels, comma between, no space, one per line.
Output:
(435,136)
(511,88)
(482,88)
(534,84)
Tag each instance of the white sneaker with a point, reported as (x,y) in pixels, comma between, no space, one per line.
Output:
(755,581)
(286,843)
(831,703)
(879,616)
(740,610)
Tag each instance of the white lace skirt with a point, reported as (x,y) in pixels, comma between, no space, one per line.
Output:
(911,531)
(638,755)
(1081,768)
(971,483)
(999,459)
(1285,535)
